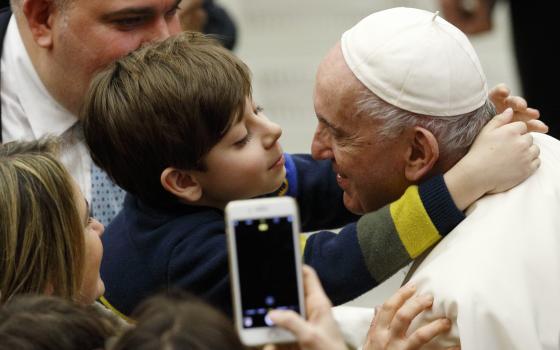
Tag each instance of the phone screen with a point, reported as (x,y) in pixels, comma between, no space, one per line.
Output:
(267,268)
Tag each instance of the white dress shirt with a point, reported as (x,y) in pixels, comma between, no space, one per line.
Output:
(497,274)
(30,112)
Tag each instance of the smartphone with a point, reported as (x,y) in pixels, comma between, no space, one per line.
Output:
(265,266)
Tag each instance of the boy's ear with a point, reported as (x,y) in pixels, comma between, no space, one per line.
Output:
(40,18)
(181,184)
(422,154)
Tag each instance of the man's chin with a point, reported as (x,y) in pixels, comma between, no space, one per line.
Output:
(352,204)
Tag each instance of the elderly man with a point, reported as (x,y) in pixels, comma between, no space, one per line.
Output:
(50,50)
(403,95)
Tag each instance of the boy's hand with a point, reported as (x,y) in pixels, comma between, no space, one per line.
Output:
(320,331)
(509,152)
(500,97)
(506,153)
(390,325)
(502,156)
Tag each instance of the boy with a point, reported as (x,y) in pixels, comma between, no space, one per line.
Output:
(174,124)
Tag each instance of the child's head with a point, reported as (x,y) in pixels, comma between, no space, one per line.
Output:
(45,322)
(176,120)
(49,244)
(178,321)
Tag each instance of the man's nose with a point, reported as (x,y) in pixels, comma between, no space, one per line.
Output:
(320,146)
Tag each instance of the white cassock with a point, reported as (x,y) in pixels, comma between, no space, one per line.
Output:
(497,275)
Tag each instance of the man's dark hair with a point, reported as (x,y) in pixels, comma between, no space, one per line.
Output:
(164,105)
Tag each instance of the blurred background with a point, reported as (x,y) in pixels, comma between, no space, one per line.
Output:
(284,41)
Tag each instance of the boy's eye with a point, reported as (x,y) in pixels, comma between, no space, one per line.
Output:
(258,109)
(245,140)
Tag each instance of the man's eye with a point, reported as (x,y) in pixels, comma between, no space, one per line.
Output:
(129,22)
(171,13)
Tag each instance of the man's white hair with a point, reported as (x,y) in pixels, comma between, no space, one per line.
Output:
(455,134)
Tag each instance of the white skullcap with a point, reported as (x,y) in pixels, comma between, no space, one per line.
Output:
(417,61)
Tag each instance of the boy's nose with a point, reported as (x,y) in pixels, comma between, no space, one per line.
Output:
(274,131)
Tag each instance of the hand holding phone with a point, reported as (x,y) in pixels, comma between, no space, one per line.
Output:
(320,331)
(265,266)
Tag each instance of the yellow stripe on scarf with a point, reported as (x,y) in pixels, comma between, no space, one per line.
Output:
(413,224)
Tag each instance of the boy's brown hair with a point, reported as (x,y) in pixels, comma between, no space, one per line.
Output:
(164,105)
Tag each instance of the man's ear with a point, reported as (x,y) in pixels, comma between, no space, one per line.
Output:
(422,155)
(40,17)
(181,184)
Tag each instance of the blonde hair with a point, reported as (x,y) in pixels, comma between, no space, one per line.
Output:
(41,233)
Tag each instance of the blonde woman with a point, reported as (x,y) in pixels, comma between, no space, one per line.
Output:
(49,243)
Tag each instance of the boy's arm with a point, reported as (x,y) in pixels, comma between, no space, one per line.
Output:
(365,253)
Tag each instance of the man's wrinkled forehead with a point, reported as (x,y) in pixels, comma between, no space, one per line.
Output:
(336,88)
(333,65)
